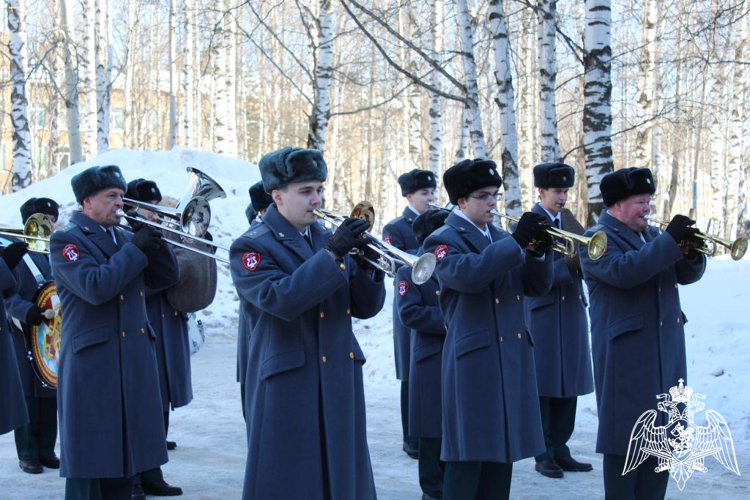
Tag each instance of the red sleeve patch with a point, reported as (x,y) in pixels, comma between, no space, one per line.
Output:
(251,260)
(441,252)
(71,253)
(403,287)
(388,239)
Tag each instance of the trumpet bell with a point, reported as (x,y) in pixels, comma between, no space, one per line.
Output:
(597,245)
(422,268)
(738,248)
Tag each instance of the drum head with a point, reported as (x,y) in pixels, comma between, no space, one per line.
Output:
(45,338)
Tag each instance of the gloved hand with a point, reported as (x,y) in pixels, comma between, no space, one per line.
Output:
(679,228)
(35,316)
(13,253)
(347,236)
(531,226)
(135,224)
(147,238)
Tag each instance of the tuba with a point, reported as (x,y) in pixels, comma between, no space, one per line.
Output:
(35,232)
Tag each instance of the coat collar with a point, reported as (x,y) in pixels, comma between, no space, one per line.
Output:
(538,209)
(408,214)
(95,233)
(470,233)
(619,228)
(287,234)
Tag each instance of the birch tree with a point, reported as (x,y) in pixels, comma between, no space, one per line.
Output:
(547,33)
(71,84)
(597,108)
(506,103)
(435,112)
(645,98)
(323,71)
(466,34)
(172,138)
(103,62)
(19,105)
(735,133)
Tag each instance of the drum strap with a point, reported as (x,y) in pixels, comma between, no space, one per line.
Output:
(34,269)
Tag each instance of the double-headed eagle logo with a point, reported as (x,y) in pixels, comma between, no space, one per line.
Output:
(681,446)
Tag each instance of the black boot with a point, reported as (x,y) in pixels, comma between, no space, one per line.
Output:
(161,489)
(549,468)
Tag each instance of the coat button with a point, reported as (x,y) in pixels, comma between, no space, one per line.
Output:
(175,313)
(122,297)
(580,298)
(675,286)
(143,330)
(343,266)
(518,297)
(661,323)
(501,338)
(141,293)
(123,333)
(322,314)
(324,359)
(519,335)
(351,355)
(497,301)
(660,289)
(348,311)
(678,321)
(563,297)
(437,292)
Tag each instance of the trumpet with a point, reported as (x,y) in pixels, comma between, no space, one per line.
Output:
(390,257)
(36,232)
(709,244)
(565,241)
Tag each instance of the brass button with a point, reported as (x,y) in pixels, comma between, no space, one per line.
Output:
(563,297)
(324,359)
(518,297)
(141,293)
(351,355)
(143,330)
(175,313)
(123,333)
(437,292)
(580,298)
(322,314)
(348,311)
(497,301)
(661,323)
(519,335)
(122,297)
(675,286)
(501,338)
(342,266)
(678,321)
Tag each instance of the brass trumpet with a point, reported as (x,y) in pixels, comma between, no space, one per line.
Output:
(390,257)
(709,244)
(36,232)
(565,241)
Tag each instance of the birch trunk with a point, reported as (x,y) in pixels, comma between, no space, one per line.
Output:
(53,142)
(321,111)
(172,137)
(187,73)
(130,70)
(463,135)
(645,96)
(466,33)
(19,105)
(718,148)
(506,103)
(415,98)
(735,135)
(71,84)
(103,68)
(436,131)
(547,15)
(88,69)
(597,108)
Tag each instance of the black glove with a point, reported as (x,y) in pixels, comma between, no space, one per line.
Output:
(347,236)
(135,223)
(35,316)
(370,254)
(531,227)
(147,238)
(679,228)
(13,253)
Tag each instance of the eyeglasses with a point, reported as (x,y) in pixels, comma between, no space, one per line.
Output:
(487,197)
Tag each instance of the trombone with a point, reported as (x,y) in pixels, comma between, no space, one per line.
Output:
(565,241)
(709,244)
(390,257)
(36,232)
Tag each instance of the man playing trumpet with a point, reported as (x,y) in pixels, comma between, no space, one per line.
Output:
(637,331)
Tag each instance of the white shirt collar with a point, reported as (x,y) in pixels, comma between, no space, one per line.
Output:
(413,210)
(553,217)
(485,231)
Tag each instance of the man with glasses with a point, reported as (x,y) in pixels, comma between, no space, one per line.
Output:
(490,400)
(560,327)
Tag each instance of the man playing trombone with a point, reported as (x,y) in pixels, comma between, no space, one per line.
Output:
(490,400)
(305,395)
(637,331)
(559,325)
(111,420)
(35,442)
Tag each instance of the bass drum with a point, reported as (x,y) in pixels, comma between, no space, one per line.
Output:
(196,333)
(43,341)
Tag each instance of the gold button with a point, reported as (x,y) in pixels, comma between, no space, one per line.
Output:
(122,297)
(678,320)
(563,297)
(580,298)
(675,285)
(348,311)
(518,297)
(343,266)
(351,355)
(123,334)
(497,301)
(143,330)
(141,294)
(519,335)
(324,359)
(175,313)
(501,339)
(437,292)
(322,314)
(661,323)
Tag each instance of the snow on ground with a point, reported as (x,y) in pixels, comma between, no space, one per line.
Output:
(210,457)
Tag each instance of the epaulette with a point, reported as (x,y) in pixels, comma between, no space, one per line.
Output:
(67,227)
(395,221)
(258,230)
(440,230)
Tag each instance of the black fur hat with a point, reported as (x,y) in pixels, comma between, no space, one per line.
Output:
(94,179)
(413,181)
(554,175)
(626,182)
(259,199)
(429,221)
(143,190)
(45,206)
(467,176)
(289,165)
(250,213)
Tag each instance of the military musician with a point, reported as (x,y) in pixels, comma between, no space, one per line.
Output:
(111,419)
(489,390)
(418,187)
(636,322)
(305,395)
(559,325)
(419,310)
(35,442)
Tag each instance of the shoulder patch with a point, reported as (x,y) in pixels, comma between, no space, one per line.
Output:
(441,252)
(403,287)
(388,239)
(258,231)
(251,260)
(71,253)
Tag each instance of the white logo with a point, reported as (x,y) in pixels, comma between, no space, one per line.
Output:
(681,445)
(648,181)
